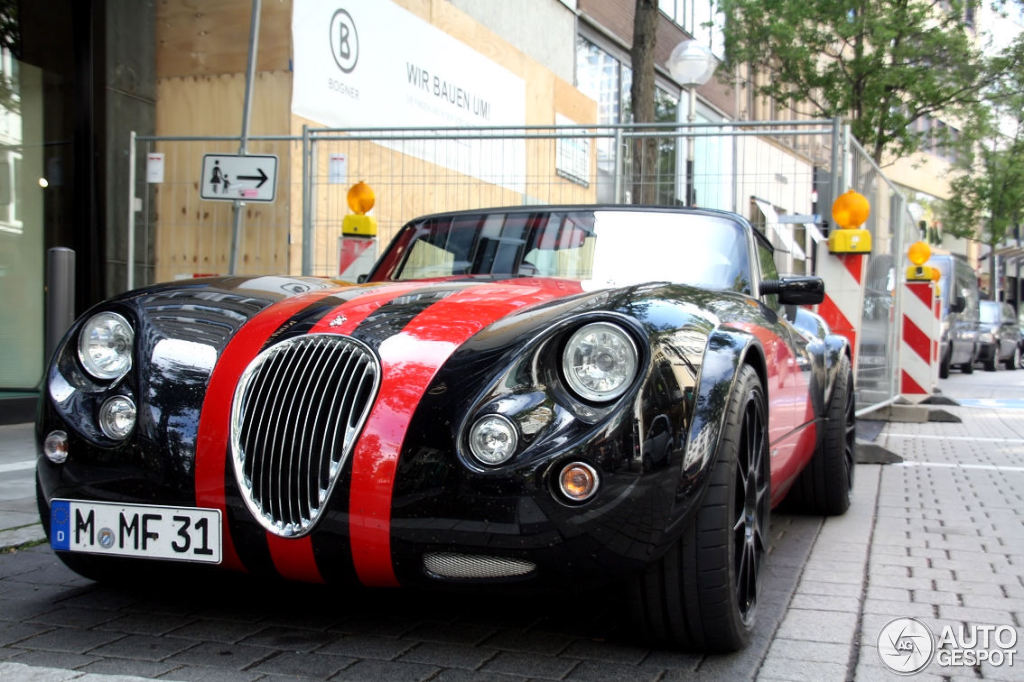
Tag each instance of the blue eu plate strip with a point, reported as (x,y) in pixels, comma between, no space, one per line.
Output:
(60,524)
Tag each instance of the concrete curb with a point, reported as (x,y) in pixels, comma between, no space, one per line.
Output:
(15,537)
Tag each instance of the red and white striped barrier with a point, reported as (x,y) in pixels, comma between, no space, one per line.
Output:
(843,307)
(919,349)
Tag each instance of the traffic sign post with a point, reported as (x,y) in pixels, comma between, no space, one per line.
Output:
(238,177)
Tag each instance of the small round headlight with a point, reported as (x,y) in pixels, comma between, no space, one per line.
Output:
(599,361)
(105,345)
(117,417)
(493,439)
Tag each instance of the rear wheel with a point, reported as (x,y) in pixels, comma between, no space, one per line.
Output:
(825,484)
(1013,362)
(703,593)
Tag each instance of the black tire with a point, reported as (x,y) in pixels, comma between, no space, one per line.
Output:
(702,595)
(825,484)
(991,364)
(944,364)
(968,367)
(1013,362)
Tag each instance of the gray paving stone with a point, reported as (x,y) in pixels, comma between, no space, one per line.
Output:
(876,591)
(445,655)
(975,615)
(368,646)
(209,630)
(818,626)
(290,639)
(802,650)
(191,673)
(318,666)
(828,589)
(143,647)
(221,655)
(530,665)
(611,672)
(803,671)
(109,666)
(68,640)
(825,603)
(898,608)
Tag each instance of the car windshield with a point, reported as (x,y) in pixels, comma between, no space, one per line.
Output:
(989,312)
(609,247)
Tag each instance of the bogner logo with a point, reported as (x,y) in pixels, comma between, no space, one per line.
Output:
(344,41)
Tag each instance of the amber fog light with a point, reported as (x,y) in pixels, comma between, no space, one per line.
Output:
(55,447)
(578,481)
(117,417)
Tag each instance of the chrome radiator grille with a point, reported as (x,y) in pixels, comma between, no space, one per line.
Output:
(297,411)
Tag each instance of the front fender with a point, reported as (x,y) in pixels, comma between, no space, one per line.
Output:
(726,350)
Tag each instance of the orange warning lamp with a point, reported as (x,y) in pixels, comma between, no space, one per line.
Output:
(918,254)
(360,199)
(850,211)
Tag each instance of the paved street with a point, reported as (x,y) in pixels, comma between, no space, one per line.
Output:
(938,537)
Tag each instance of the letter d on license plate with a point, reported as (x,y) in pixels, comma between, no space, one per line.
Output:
(155,532)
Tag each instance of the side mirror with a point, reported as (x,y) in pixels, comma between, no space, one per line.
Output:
(958,305)
(795,290)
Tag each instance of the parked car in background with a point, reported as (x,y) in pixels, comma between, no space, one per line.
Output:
(516,398)
(958,286)
(1000,338)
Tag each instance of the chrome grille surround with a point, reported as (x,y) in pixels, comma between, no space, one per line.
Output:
(475,566)
(297,411)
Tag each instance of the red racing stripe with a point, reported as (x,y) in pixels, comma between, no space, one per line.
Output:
(215,417)
(409,361)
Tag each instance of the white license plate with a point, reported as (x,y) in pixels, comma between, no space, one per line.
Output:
(139,530)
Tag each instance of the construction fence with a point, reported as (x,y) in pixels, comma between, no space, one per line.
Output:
(782,176)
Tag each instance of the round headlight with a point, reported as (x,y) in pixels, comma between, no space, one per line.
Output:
(599,361)
(105,345)
(493,439)
(117,417)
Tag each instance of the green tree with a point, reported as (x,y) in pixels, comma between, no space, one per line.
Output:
(988,188)
(881,64)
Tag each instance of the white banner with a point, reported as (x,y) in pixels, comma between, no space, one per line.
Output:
(370,63)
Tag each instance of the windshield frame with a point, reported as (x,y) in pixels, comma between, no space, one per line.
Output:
(603,225)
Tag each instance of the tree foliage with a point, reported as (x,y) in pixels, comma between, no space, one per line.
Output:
(988,187)
(881,64)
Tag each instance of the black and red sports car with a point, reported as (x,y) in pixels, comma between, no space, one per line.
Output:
(514,397)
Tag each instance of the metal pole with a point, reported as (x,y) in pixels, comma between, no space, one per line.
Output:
(618,165)
(60,295)
(250,73)
(691,118)
(130,257)
(836,132)
(307,205)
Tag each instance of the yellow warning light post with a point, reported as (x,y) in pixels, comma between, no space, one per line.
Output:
(918,254)
(850,211)
(357,224)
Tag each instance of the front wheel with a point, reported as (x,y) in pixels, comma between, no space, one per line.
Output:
(944,363)
(826,483)
(703,593)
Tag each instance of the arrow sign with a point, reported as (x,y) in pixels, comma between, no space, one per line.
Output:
(238,177)
(262,177)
